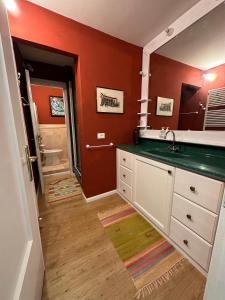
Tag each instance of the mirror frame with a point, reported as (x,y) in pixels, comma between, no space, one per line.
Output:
(199,10)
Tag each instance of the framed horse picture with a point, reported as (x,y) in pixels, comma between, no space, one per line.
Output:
(57,106)
(110,100)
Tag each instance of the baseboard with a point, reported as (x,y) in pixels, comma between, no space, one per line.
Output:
(100,196)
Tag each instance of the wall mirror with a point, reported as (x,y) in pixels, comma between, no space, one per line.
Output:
(187,83)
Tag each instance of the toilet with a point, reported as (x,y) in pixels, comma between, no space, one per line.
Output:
(51,156)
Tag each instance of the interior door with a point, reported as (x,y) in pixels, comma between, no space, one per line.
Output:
(35,127)
(21,257)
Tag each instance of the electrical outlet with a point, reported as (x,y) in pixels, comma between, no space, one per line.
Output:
(101,135)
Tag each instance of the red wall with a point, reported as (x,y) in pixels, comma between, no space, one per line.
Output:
(166,80)
(102,61)
(41,96)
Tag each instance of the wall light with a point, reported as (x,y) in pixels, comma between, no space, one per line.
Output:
(209,76)
(11,6)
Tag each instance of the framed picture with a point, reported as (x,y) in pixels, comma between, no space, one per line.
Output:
(110,101)
(164,107)
(57,106)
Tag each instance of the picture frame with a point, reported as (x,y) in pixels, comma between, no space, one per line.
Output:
(164,107)
(57,107)
(109,100)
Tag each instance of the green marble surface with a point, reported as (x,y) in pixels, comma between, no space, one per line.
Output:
(202,159)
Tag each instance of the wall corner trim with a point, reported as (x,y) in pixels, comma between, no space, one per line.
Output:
(99,197)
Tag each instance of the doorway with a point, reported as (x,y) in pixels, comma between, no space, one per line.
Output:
(51,121)
(47,86)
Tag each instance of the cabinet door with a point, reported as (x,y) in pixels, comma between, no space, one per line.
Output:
(153,191)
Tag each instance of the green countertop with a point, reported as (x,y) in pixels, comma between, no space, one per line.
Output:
(201,159)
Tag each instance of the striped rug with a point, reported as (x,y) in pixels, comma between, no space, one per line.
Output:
(149,258)
(63,188)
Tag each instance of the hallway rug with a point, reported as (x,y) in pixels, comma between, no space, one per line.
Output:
(63,188)
(149,258)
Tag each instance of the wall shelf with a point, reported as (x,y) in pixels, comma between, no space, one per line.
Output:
(142,126)
(144,100)
(143,114)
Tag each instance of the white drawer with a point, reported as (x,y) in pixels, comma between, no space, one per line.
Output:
(191,243)
(127,159)
(201,190)
(198,219)
(126,175)
(125,190)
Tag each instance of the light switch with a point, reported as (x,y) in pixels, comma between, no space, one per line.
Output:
(101,135)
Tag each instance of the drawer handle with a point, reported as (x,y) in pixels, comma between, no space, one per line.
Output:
(189,217)
(124,159)
(185,242)
(124,190)
(192,188)
(169,172)
(124,176)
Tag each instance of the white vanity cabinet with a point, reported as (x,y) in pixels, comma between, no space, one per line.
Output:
(183,205)
(125,166)
(153,189)
(195,208)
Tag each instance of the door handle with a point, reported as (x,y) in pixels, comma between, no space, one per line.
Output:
(33,158)
(29,161)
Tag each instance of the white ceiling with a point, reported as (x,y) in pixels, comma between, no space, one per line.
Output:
(135,21)
(202,45)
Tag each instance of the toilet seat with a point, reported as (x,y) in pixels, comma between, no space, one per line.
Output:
(51,156)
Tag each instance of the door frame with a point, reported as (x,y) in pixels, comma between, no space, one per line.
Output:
(62,85)
(35,128)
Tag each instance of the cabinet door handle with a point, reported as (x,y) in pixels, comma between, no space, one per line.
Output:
(124,190)
(189,217)
(192,188)
(169,172)
(185,242)
(124,176)
(124,159)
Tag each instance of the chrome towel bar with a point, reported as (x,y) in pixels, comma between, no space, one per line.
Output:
(189,113)
(99,146)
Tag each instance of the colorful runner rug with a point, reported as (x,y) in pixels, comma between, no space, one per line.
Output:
(149,258)
(63,188)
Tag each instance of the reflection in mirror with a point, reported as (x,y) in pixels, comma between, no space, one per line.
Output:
(187,84)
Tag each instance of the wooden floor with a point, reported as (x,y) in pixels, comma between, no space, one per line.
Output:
(81,262)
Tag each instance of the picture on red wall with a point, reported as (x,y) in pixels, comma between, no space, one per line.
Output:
(164,107)
(57,106)
(109,100)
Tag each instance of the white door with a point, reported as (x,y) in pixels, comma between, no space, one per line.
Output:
(21,259)
(35,127)
(153,190)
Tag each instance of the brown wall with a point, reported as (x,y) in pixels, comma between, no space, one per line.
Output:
(102,61)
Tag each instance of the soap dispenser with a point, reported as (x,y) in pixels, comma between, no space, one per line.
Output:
(136,136)
(162,132)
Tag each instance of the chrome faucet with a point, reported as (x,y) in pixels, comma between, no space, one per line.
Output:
(172,147)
